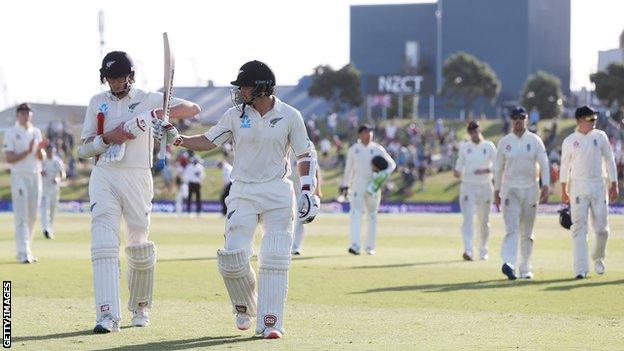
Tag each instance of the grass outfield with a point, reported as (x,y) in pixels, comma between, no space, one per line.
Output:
(415,294)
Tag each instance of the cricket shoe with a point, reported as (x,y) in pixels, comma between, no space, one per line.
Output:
(271,333)
(484,257)
(581,276)
(140,317)
(527,275)
(27,259)
(467,257)
(48,234)
(370,251)
(295,252)
(243,321)
(508,270)
(599,267)
(106,325)
(354,250)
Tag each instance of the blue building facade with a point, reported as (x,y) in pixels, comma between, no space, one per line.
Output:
(516,38)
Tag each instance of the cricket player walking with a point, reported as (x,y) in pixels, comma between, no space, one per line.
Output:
(516,186)
(53,172)
(263,130)
(117,130)
(362,182)
(475,168)
(584,152)
(23,150)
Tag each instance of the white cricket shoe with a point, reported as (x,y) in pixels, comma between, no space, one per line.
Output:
(527,275)
(599,266)
(140,317)
(370,251)
(243,321)
(271,333)
(106,325)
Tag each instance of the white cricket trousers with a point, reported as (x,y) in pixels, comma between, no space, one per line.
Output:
(361,202)
(588,199)
(25,196)
(519,207)
(476,198)
(49,201)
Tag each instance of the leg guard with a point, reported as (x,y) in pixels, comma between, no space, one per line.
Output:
(105,260)
(141,261)
(239,279)
(274,262)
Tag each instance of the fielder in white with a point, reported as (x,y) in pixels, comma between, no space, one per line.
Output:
(23,151)
(263,130)
(516,186)
(475,168)
(584,152)
(300,228)
(53,172)
(121,186)
(363,185)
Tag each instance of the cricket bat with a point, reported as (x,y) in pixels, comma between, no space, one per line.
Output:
(168,87)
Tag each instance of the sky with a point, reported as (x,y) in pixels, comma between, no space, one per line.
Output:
(50,50)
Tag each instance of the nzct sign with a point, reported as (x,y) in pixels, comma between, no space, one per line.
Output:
(396,84)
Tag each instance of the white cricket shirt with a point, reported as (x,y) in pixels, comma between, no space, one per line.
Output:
(517,159)
(262,144)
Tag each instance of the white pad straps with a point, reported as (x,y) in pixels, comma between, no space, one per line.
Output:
(274,262)
(141,261)
(105,261)
(239,279)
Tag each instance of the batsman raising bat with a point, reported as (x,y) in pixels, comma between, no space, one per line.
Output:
(264,132)
(121,186)
(368,167)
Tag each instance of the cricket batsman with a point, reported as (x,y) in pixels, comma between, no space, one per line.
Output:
(516,188)
(368,167)
(584,152)
(23,150)
(475,169)
(264,131)
(117,131)
(53,172)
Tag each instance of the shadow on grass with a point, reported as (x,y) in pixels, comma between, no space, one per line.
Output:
(585,284)
(406,264)
(53,336)
(184,344)
(9,263)
(302,258)
(478,285)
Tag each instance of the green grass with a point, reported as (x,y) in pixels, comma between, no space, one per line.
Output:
(415,294)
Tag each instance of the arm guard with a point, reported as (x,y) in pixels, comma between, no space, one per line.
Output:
(93,148)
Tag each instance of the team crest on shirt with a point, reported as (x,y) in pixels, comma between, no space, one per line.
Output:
(484,151)
(104,108)
(576,144)
(508,148)
(528,147)
(245,121)
(274,121)
(469,150)
(131,107)
(595,142)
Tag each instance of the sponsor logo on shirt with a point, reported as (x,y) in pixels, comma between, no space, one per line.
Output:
(245,121)
(508,148)
(274,121)
(104,108)
(528,147)
(484,151)
(131,107)
(595,142)
(469,150)
(576,144)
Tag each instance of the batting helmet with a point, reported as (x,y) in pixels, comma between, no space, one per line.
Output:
(116,64)
(379,163)
(564,217)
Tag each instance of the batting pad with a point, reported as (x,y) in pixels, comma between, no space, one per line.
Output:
(274,262)
(239,279)
(141,260)
(105,261)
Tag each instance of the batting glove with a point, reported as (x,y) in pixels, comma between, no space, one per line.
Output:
(309,205)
